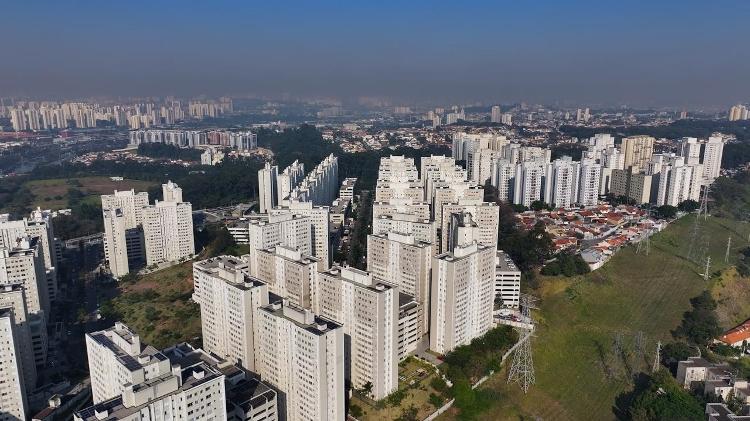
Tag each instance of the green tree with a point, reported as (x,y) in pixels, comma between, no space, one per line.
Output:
(664,399)
(700,325)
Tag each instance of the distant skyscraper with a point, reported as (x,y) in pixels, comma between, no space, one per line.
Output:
(267,188)
(496,115)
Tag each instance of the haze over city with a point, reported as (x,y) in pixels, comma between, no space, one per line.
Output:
(671,53)
(374,211)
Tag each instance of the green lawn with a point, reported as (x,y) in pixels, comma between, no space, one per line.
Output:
(52,193)
(577,374)
(158,306)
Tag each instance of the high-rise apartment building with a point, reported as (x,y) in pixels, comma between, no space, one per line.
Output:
(147,384)
(13,404)
(368,310)
(485,216)
(320,186)
(462,295)
(503,175)
(320,227)
(23,265)
(302,355)
(561,182)
(636,186)
(229,298)
(130,203)
(590,176)
(123,233)
(528,182)
(12,297)
(405,262)
(637,151)
(287,229)
(267,187)
(423,230)
(713,152)
(118,361)
(288,179)
(289,273)
(507,281)
(168,228)
(496,115)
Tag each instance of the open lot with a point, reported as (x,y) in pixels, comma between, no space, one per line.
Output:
(53,193)
(158,306)
(578,376)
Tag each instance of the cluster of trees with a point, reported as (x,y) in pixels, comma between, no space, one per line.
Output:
(731,197)
(663,398)
(162,150)
(567,264)
(700,325)
(467,364)
(85,217)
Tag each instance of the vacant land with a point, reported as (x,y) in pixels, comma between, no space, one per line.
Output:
(578,373)
(158,306)
(53,193)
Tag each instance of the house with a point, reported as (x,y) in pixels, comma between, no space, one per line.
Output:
(738,336)
(697,369)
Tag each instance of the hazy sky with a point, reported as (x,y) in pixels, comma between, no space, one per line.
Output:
(680,53)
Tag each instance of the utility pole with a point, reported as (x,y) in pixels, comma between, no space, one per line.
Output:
(657,359)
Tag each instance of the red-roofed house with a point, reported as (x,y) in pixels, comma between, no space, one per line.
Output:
(737,336)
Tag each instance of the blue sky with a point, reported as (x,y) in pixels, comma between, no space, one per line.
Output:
(678,53)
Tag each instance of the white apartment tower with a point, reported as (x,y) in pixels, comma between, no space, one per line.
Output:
(406,263)
(528,183)
(462,295)
(267,188)
(713,152)
(12,298)
(368,311)
(23,265)
(117,360)
(503,174)
(561,182)
(229,298)
(13,405)
(637,150)
(302,355)
(588,182)
(287,229)
(320,226)
(289,273)
(168,229)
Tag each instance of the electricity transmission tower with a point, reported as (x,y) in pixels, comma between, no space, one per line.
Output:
(644,244)
(707,269)
(657,358)
(729,247)
(639,344)
(698,244)
(522,366)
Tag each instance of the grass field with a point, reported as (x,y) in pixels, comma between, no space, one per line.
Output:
(577,374)
(52,194)
(158,306)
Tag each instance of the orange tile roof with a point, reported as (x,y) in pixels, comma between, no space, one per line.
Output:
(737,334)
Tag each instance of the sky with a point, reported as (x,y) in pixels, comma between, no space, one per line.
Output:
(686,54)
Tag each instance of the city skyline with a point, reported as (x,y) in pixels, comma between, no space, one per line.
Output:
(639,53)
